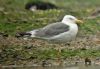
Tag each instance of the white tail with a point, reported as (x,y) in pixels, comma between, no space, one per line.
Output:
(33,32)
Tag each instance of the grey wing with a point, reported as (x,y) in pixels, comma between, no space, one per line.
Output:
(52,30)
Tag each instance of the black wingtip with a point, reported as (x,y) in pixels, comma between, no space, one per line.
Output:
(22,34)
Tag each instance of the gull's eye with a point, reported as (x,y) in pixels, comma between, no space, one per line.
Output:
(71,18)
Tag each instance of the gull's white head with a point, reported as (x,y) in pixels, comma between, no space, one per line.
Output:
(70,19)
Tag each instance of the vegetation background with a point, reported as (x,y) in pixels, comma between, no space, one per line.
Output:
(14,18)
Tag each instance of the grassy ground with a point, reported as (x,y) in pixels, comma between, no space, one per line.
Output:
(14,18)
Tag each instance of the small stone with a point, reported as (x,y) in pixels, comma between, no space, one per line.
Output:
(87,61)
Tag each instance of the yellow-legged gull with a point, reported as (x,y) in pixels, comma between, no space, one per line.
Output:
(63,31)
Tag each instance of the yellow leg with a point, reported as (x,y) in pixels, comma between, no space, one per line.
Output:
(59,56)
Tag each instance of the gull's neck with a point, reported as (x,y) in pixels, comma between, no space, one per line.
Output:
(72,26)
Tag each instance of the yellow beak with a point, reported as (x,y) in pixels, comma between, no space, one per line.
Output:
(79,21)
